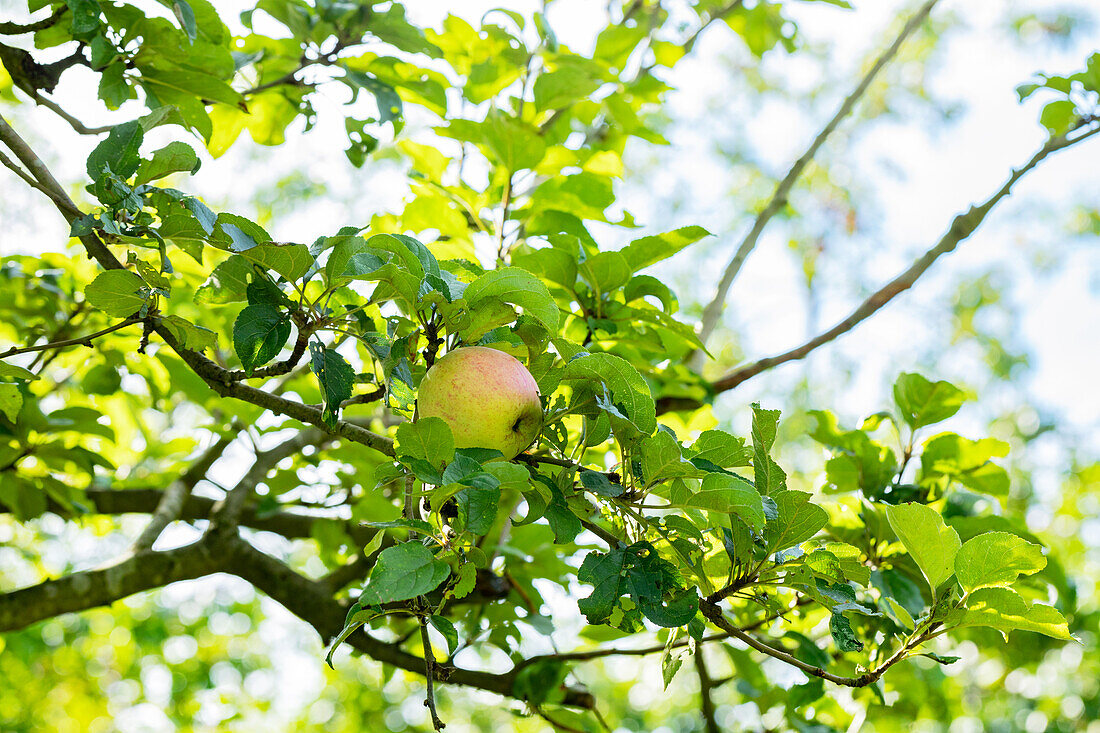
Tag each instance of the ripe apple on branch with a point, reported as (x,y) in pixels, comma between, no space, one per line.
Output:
(487,398)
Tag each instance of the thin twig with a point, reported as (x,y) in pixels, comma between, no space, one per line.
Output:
(8,28)
(79,341)
(429,674)
(706,688)
(555,724)
(961,227)
(715,616)
(76,124)
(719,14)
(778,200)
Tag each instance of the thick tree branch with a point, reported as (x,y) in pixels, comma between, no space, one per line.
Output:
(308,600)
(92,588)
(778,200)
(171,502)
(28,179)
(198,508)
(961,227)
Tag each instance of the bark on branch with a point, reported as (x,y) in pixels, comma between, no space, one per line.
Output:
(92,588)
(172,500)
(962,226)
(219,379)
(778,200)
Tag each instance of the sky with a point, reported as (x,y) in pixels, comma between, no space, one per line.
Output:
(919,171)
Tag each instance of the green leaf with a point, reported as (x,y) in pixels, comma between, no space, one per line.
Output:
(770,478)
(192,336)
(443,625)
(540,682)
(721,449)
(605,272)
(477,508)
(1058,116)
(167,85)
(334,375)
(259,334)
(355,618)
(672,658)
(565,524)
(629,391)
(1005,610)
(843,635)
(931,543)
(186,16)
(508,285)
(402,572)
(231,232)
(118,151)
(292,261)
(172,158)
(119,293)
(662,459)
(428,438)
(562,87)
(11,371)
(949,457)
(465,579)
(900,613)
(731,495)
(922,402)
(598,483)
(351,258)
(11,401)
(863,464)
(228,283)
(390,108)
(515,145)
(996,559)
(640,572)
(798,520)
(647,251)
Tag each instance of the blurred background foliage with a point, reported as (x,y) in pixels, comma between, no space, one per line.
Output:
(212,655)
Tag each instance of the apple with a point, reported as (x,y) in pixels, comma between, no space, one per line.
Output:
(487,398)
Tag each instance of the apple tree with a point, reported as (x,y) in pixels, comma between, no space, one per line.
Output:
(176,361)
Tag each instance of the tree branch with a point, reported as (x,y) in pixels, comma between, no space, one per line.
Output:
(171,502)
(226,514)
(714,614)
(79,341)
(216,377)
(706,687)
(91,588)
(27,178)
(76,124)
(429,674)
(961,227)
(8,28)
(713,311)
(307,600)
